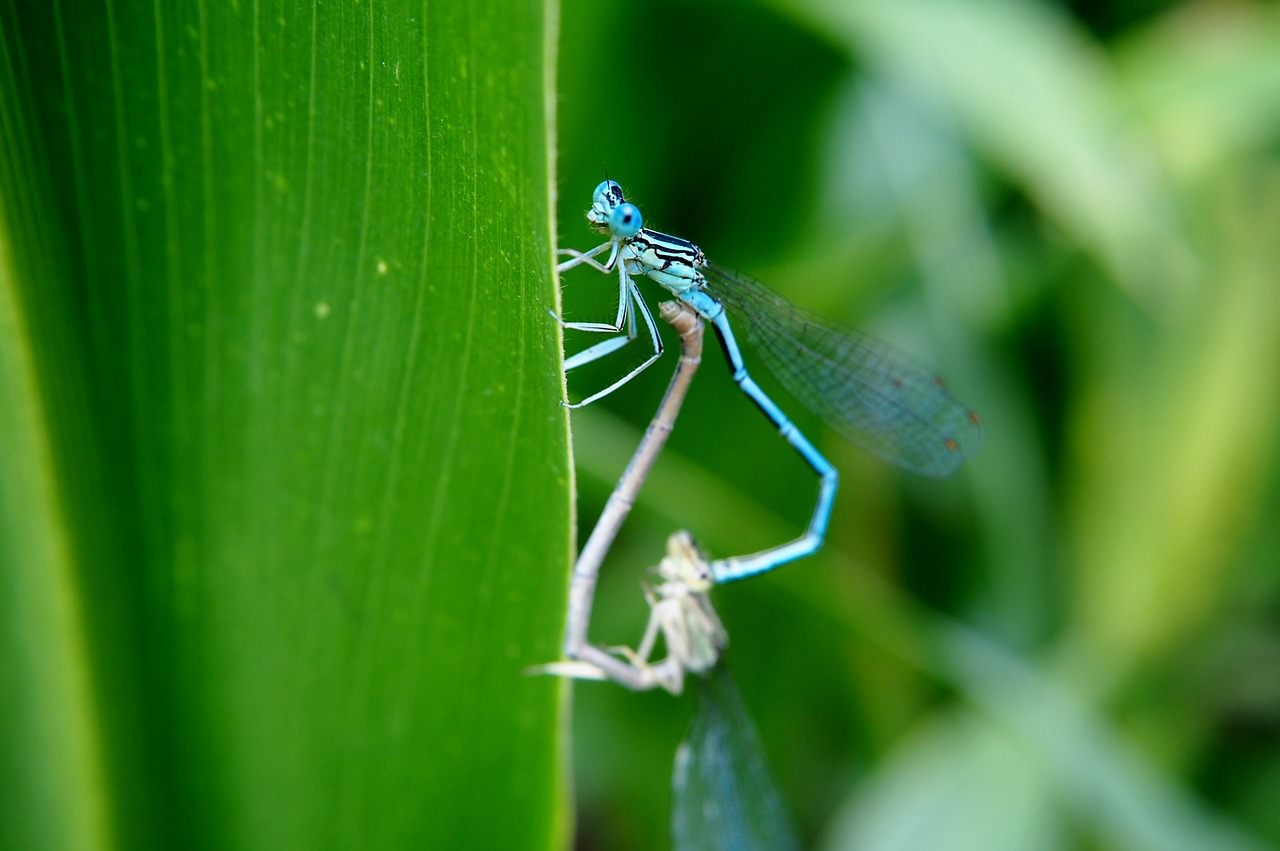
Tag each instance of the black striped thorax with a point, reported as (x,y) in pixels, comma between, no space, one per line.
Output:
(661,251)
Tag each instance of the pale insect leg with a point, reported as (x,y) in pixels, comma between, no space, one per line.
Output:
(654,339)
(624,281)
(605,347)
(577,258)
(629,301)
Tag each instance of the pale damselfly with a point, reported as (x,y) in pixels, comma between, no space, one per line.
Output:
(589,661)
(872,395)
(722,794)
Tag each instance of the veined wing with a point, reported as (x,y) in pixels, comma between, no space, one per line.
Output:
(723,798)
(874,396)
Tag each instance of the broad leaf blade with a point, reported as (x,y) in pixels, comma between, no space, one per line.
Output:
(277,274)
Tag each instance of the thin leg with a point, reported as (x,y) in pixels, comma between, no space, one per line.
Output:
(626,317)
(629,303)
(640,657)
(666,674)
(619,321)
(580,257)
(596,352)
(611,345)
(740,567)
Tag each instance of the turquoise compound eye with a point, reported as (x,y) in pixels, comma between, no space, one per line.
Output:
(625,220)
(605,190)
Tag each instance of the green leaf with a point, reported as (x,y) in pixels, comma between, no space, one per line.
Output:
(285,493)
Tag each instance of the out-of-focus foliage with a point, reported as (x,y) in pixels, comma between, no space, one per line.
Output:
(1075,214)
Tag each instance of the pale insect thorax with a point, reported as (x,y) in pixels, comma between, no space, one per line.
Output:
(669,260)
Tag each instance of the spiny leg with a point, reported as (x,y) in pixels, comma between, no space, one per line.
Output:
(654,338)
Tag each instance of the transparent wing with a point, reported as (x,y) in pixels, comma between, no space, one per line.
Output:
(723,798)
(876,397)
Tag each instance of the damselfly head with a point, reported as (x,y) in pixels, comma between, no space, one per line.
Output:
(608,195)
(611,214)
(685,564)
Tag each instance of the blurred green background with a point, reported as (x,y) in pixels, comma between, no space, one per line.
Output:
(285,494)
(1073,211)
